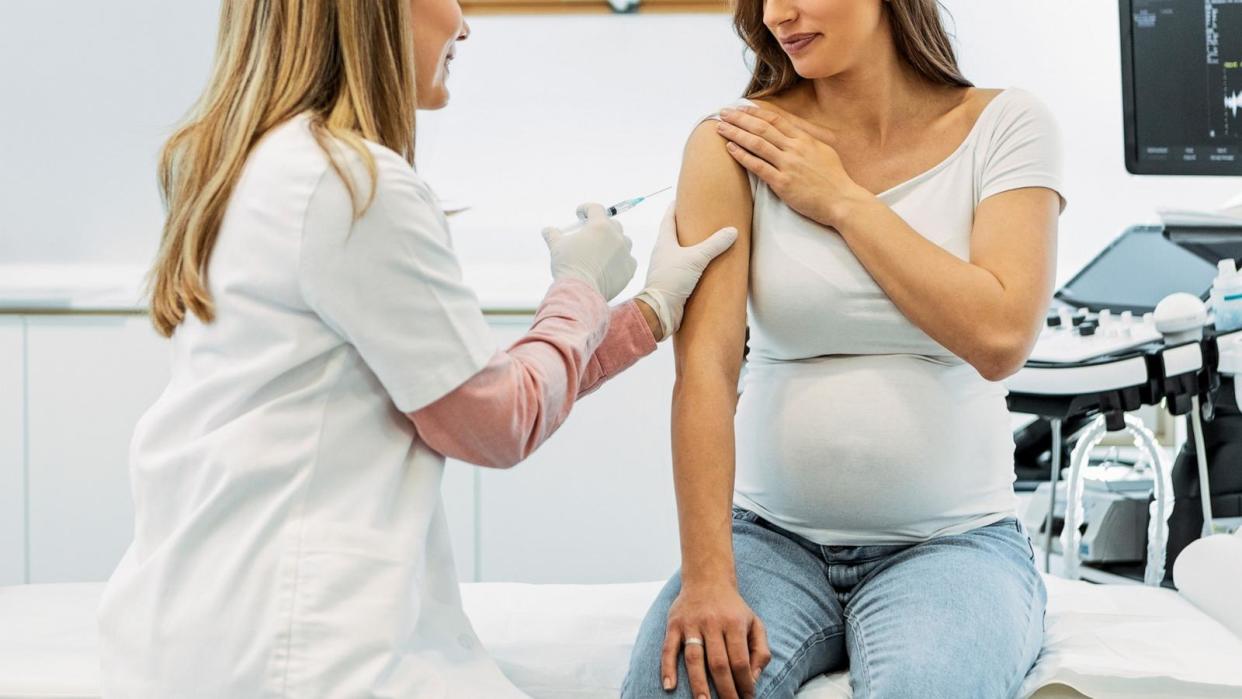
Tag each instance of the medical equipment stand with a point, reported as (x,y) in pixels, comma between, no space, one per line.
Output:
(1111,387)
(1176,372)
(1058,445)
(1071,536)
(1108,387)
(1205,489)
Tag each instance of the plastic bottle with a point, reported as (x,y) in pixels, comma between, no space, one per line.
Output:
(1226,268)
(1227,297)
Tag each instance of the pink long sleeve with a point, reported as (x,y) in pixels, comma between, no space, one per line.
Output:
(506,411)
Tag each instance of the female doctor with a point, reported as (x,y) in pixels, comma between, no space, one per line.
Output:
(289,537)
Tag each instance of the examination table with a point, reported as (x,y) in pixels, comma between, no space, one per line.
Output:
(573,642)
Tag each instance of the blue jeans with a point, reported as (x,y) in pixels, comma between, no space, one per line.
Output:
(958,616)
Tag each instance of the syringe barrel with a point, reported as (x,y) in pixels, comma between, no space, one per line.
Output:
(610,211)
(624,206)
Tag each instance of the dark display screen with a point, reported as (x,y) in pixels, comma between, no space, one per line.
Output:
(1137,271)
(1183,80)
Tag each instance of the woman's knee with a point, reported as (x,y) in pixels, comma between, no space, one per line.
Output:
(799,653)
(929,682)
(643,678)
(781,679)
(930,677)
(785,587)
(978,638)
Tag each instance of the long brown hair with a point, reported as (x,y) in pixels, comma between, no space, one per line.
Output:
(918,31)
(348,63)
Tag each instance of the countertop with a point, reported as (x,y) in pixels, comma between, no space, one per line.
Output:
(502,288)
(507,269)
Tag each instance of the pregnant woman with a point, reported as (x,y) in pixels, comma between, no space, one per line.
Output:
(896,257)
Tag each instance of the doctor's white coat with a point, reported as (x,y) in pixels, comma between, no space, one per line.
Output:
(290,539)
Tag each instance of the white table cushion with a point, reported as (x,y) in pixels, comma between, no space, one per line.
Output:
(573,642)
(1208,572)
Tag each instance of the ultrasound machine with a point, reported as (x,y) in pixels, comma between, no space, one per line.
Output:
(1131,329)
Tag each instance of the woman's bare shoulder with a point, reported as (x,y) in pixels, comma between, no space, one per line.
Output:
(713,190)
(798,100)
(787,101)
(984,93)
(706,155)
(709,174)
(977,99)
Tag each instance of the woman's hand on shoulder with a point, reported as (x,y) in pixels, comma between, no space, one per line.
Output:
(795,160)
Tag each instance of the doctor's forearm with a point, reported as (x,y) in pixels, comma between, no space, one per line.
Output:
(631,336)
(505,412)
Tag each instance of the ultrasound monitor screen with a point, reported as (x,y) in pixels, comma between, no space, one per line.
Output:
(1182,61)
(1136,272)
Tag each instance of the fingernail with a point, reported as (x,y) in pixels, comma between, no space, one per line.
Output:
(702,696)
(668,684)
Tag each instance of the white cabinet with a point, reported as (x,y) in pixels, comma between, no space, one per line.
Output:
(90,378)
(12,453)
(595,504)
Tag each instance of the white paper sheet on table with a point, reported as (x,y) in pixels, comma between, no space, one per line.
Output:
(1111,642)
(573,642)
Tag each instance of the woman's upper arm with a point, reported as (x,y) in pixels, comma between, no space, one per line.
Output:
(1015,230)
(714,192)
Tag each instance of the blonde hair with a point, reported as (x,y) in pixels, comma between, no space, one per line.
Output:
(918,31)
(349,64)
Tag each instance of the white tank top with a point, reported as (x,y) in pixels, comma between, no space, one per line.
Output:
(854,426)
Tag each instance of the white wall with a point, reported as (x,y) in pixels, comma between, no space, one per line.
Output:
(90,91)
(12,451)
(548,111)
(594,504)
(89,379)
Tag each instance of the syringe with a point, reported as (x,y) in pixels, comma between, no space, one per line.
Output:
(613,210)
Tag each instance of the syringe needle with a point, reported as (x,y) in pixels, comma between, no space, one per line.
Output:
(613,210)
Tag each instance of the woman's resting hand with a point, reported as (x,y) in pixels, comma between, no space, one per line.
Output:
(599,254)
(675,271)
(790,156)
(734,647)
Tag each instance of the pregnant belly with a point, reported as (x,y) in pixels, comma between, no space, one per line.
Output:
(863,449)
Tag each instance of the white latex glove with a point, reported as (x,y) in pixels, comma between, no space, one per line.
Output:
(598,254)
(675,271)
